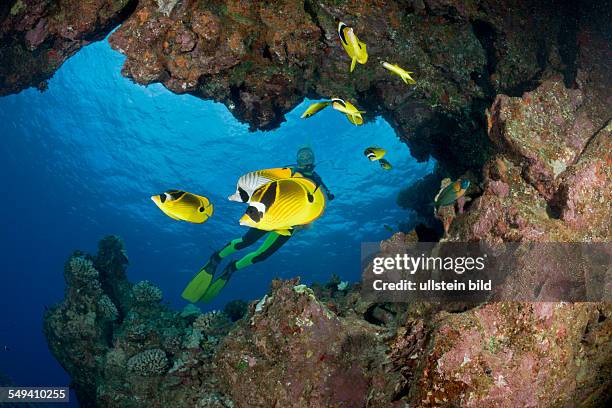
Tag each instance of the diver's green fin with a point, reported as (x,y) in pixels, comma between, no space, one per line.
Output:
(198,286)
(285,232)
(213,290)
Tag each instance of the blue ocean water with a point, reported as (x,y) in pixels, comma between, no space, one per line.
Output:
(81,160)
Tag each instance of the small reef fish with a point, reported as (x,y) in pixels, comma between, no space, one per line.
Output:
(284,204)
(184,206)
(351,44)
(449,194)
(352,113)
(315,108)
(248,183)
(385,164)
(388,227)
(374,153)
(405,75)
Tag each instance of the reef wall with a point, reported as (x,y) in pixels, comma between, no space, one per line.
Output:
(321,347)
(550,157)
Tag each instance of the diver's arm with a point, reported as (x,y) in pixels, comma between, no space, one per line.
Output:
(292,167)
(319,181)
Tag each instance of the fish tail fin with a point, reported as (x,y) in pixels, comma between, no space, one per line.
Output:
(407,79)
(353,63)
(214,289)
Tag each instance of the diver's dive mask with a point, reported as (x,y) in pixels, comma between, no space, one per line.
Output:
(306,159)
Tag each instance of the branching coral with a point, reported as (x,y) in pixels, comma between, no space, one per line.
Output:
(107,309)
(148,363)
(211,321)
(80,269)
(146,292)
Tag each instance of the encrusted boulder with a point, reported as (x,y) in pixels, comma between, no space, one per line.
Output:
(291,350)
(550,181)
(515,354)
(544,130)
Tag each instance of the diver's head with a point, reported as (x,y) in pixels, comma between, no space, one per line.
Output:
(306,158)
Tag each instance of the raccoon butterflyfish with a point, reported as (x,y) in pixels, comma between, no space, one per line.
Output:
(405,75)
(385,164)
(351,44)
(315,108)
(284,204)
(374,153)
(352,113)
(184,206)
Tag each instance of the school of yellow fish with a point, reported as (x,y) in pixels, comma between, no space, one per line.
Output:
(279,200)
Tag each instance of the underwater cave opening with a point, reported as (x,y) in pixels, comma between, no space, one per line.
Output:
(89,152)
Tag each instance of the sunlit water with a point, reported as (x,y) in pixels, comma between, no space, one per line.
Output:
(81,160)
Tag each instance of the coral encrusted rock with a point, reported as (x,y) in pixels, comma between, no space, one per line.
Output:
(123,348)
(291,350)
(262,58)
(517,355)
(550,180)
(295,349)
(37,36)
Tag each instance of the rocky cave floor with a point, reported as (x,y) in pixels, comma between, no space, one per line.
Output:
(514,95)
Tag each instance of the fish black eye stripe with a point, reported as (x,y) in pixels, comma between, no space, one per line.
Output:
(341,28)
(340,101)
(269,196)
(244,196)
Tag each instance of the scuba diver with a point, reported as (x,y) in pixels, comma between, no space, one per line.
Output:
(203,288)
